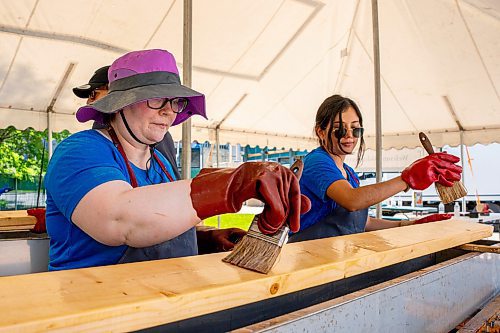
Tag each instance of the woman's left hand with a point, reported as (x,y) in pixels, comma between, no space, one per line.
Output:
(437,167)
(433,218)
(218,240)
(427,219)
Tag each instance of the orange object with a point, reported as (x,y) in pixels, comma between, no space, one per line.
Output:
(469,160)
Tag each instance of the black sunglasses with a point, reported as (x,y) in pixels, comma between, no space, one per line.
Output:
(178,104)
(357,132)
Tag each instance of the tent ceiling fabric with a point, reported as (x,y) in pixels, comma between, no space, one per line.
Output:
(266,65)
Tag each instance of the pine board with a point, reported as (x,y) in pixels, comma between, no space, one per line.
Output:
(16,220)
(139,295)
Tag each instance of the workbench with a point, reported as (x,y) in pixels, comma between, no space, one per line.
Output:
(395,209)
(151,294)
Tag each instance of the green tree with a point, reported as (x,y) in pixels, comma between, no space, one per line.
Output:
(21,152)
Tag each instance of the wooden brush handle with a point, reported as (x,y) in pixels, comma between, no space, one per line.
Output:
(297,168)
(426,143)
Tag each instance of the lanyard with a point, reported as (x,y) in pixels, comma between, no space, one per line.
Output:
(133,179)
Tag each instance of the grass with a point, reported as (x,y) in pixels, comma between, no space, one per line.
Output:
(241,221)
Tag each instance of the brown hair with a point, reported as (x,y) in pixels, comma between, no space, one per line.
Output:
(327,111)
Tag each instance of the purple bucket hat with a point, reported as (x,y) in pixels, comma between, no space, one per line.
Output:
(141,75)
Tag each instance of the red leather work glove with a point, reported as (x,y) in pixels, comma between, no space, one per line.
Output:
(433,218)
(220,191)
(427,219)
(437,167)
(39,213)
(218,240)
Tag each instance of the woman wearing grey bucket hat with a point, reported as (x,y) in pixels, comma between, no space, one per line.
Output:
(111,197)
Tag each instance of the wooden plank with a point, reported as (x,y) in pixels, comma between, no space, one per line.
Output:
(26,227)
(480,248)
(13,213)
(140,295)
(486,320)
(16,220)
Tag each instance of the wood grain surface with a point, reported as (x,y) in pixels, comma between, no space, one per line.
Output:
(139,295)
(16,220)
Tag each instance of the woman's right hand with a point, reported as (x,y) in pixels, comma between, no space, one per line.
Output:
(437,167)
(220,191)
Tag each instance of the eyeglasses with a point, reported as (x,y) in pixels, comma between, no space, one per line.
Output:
(93,94)
(357,132)
(178,104)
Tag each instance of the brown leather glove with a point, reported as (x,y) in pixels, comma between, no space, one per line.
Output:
(220,191)
(212,240)
(437,167)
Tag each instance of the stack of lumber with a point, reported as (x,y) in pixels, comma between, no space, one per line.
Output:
(146,294)
(16,220)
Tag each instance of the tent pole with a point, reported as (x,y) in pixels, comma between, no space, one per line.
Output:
(464,201)
(50,108)
(202,148)
(187,51)
(49,134)
(378,104)
(217,147)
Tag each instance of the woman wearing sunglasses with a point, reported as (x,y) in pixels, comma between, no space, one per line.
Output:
(339,204)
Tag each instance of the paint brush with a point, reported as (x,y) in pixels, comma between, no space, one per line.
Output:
(256,251)
(259,252)
(447,194)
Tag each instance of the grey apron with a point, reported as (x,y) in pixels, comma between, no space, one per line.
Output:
(181,246)
(339,222)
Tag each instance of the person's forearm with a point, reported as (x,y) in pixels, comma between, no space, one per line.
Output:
(363,197)
(375,193)
(138,217)
(377,224)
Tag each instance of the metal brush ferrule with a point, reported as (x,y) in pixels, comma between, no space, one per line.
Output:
(279,238)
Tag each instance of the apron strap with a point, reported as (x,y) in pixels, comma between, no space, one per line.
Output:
(133,179)
(352,175)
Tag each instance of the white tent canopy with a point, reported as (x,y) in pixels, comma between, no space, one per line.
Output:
(266,65)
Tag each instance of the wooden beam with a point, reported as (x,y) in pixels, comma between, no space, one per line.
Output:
(16,220)
(146,294)
(13,213)
(480,248)
(25,227)
(486,320)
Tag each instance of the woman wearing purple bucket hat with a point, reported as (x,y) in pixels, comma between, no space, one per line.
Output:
(111,197)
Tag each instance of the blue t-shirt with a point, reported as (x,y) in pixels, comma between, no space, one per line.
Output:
(80,163)
(320,171)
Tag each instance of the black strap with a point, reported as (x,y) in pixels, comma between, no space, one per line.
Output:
(129,130)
